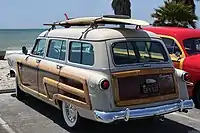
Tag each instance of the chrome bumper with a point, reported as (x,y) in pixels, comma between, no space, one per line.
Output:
(108,117)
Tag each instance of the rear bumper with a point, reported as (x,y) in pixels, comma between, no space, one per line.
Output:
(108,117)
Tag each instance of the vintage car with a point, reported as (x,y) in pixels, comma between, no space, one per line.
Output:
(102,73)
(183,45)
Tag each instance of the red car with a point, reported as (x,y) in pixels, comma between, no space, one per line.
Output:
(183,45)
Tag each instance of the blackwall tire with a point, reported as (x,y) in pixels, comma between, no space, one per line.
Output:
(19,93)
(196,97)
(71,115)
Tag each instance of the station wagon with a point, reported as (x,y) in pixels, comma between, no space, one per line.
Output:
(101,72)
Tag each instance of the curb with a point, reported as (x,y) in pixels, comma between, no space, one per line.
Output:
(7,91)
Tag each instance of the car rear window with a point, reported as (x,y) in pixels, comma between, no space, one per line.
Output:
(130,52)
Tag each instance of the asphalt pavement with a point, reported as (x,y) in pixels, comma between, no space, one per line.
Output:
(34,116)
(2,130)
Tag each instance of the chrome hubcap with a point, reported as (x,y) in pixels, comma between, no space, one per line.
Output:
(71,113)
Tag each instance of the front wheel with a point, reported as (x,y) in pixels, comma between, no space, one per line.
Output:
(19,93)
(70,114)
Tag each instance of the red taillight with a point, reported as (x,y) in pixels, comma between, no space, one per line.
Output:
(104,84)
(186,77)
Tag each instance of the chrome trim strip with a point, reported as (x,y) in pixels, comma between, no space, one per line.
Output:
(189,84)
(108,117)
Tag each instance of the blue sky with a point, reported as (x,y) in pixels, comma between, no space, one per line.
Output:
(33,13)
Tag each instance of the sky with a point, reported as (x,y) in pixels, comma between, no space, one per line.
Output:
(32,14)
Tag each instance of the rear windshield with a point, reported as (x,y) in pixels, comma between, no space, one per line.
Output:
(130,52)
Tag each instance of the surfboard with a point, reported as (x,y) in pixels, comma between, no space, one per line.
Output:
(83,21)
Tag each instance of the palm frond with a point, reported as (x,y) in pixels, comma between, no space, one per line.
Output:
(175,13)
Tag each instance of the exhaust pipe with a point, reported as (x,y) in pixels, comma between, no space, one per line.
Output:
(184,110)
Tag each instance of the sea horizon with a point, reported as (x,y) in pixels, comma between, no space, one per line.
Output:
(16,38)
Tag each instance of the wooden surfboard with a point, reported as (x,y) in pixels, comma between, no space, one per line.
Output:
(82,21)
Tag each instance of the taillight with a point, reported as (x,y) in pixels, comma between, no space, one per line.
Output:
(104,84)
(186,77)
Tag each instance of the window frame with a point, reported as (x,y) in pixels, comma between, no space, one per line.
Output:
(175,45)
(176,41)
(186,39)
(135,64)
(53,59)
(69,52)
(35,44)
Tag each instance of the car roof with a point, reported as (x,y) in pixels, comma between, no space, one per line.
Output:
(98,34)
(181,33)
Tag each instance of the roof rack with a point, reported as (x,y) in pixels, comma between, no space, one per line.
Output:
(94,22)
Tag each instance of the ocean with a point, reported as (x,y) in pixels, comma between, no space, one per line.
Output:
(14,39)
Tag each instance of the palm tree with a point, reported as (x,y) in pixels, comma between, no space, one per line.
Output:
(122,7)
(188,2)
(174,14)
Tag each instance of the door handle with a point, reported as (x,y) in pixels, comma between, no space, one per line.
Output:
(38,61)
(58,66)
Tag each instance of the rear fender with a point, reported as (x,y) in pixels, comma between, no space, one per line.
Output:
(183,91)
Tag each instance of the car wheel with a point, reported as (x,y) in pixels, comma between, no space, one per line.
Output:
(155,119)
(70,114)
(19,93)
(196,97)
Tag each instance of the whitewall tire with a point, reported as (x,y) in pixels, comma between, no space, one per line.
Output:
(70,114)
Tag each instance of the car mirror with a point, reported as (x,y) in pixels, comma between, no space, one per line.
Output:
(24,50)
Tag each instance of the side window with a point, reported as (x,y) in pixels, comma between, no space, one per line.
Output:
(57,49)
(81,53)
(171,46)
(39,47)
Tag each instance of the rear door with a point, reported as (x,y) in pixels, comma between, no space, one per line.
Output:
(49,68)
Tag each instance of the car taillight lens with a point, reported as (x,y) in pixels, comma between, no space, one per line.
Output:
(186,77)
(104,84)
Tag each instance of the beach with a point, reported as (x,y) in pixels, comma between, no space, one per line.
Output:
(7,84)
(11,41)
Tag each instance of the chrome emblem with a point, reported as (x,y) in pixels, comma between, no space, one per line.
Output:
(150,81)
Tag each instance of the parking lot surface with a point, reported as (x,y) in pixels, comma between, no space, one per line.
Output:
(34,116)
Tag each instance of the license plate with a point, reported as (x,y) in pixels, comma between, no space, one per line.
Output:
(148,89)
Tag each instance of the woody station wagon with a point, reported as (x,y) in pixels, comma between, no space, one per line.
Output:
(100,72)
